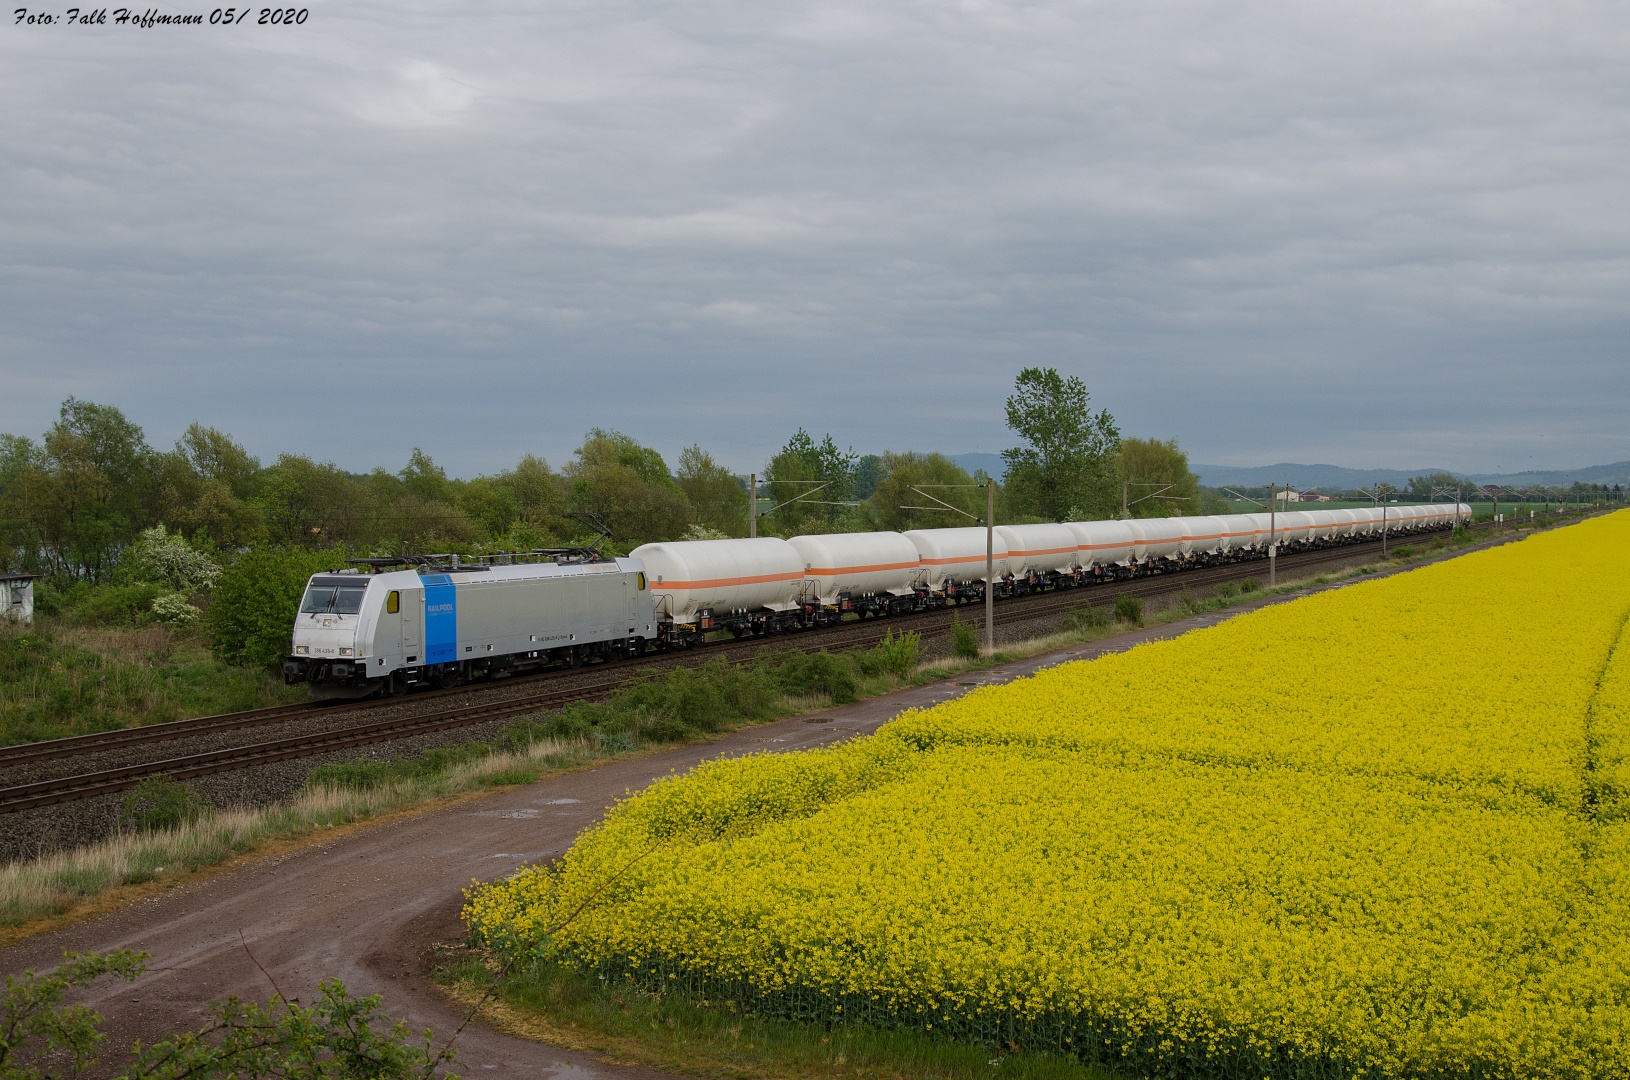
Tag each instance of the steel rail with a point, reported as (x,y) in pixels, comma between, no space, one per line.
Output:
(932,622)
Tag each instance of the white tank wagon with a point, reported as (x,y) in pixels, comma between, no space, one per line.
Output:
(1106,548)
(953,560)
(753,585)
(1039,556)
(358,634)
(1240,533)
(1160,541)
(1346,521)
(1208,540)
(1324,526)
(866,573)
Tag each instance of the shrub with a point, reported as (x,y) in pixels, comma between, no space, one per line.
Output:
(114,605)
(162,559)
(1249,585)
(252,607)
(1190,603)
(1227,590)
(964,641)
(1083,616)
(1129,609)
(801,674)
(896,655)
(173,608)
(160,803)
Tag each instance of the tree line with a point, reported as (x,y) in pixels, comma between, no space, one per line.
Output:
(76,499)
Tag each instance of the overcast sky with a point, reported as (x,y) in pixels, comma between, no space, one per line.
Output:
(1371,234)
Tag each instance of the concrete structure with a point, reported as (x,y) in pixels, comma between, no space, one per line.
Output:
(17,597)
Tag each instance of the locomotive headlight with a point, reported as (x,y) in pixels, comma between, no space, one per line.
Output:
(302,650)
(347,652)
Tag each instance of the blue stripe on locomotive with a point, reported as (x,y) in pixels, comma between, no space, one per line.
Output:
(440,619)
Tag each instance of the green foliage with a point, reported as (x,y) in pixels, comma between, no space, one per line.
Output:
(1065,469)
(1227,590)
(964,639)
(1188,602)
(112,605)
(894,655)
(627,485)
(160,803)
(798,470)
(801,674)
(680,1033)
(367,775)
(1249,585)
(37,1028)
(1129,609)
(1083,616)
(338,1038)
(889,507)
(251,617)
(714,492)
(168,561)
(1152,465)
(99,680)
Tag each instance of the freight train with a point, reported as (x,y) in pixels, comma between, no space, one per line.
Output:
(384,625)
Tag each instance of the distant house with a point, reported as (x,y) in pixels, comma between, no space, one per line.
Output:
(17,597)
(1312,496)
(1287,496)
(1493,491)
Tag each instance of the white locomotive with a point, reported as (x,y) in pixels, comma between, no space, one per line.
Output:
(446,620)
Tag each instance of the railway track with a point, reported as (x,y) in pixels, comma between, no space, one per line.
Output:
(106,781)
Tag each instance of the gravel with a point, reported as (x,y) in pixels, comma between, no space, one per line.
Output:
(30,833)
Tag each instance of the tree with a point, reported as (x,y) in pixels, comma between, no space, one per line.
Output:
(888,507)
(1146,462)
(1065,471)
(800,468)
(714,492)
(628,486)
(251,613)
(204,488)
(1421,487)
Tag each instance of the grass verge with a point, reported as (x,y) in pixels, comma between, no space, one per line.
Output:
(683,705)
(553,1004)
(687,704)
(58,678)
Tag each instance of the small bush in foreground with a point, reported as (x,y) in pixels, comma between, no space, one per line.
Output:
(338,1037)
(1129,609)
(160,803)
(1083,616)
(964,640)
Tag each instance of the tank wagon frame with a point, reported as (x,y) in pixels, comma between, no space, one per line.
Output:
(384,625)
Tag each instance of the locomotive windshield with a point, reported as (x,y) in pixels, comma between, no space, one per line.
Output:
(325,598)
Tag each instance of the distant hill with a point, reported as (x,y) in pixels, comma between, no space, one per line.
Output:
(1336,477)
(1616,473)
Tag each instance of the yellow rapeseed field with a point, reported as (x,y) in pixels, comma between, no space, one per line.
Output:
(1378,832)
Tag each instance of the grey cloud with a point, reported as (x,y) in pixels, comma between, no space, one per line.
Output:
(1396,230)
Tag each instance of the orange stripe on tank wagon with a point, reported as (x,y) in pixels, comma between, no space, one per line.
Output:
(723,583)
(833,571)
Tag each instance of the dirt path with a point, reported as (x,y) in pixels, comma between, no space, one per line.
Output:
(366,907)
